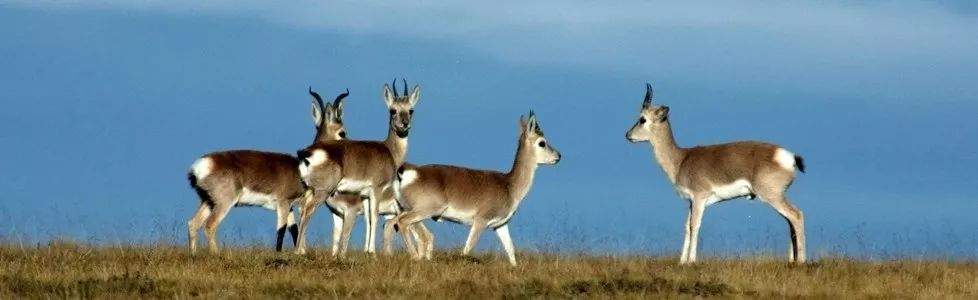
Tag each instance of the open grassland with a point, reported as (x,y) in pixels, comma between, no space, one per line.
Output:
(64,270)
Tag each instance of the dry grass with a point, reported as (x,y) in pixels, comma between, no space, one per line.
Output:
(65,270)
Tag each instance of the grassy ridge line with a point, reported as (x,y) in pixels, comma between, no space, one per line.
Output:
(75,271)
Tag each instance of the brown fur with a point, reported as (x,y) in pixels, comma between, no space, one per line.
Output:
(709,174)
(268,173)
(479,198)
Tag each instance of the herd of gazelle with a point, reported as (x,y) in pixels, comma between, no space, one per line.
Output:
(372,178)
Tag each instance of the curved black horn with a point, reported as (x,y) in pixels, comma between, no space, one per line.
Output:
(405,86)
(336,102)
(316,95)
(648,94)
(394,86)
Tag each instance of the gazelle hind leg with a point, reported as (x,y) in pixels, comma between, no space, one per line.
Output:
(796,226)
(281,225)
(309,206)
(218,212)
(193,226)
(426,241)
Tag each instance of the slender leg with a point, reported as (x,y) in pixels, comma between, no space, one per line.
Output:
(218,212)
(426,242)
(389,236)
(366,222)
(293,228)
(696,217)
(309,206)
(406,220)
(349,218)
(477,227)
(338,223)
(796,225)
(374,207)
(684,258)
(193,226)
(504,238)
(281,224)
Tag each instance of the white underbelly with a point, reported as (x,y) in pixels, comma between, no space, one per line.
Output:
(252,198)
(736,189)
(354,186)
(456,216)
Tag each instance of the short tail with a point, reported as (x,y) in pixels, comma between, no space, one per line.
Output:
(204,196)
(800,163)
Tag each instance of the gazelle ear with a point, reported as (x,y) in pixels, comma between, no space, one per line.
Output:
(338,112)
(317,114)
(522,124)
(388,96)
(415,95)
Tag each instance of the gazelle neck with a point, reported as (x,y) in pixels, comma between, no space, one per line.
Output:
(398,146)
(521,175)
(669,155)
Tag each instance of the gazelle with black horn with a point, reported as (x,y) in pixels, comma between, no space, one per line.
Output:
(478,198)
(709,174)
(361,178)
(270,180)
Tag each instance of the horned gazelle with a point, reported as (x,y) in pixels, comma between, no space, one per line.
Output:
(345,206)
(362,174)
(477,198)
(254,178)
(709,174)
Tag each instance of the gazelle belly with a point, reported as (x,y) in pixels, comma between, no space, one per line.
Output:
(457,216)
(252,198)
(736,189)
(354,186)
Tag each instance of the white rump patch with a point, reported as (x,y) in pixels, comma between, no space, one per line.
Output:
(317,158)
(736,189)
(408,177)
(252,198)
(202,167)
(785,159)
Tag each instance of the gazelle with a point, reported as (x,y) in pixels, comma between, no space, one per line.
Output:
(478,198)
(270,180)
(380,196)
(709,174)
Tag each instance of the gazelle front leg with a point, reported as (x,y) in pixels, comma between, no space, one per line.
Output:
(337,230)
(282,211)
(477,227)
(698,206)
(349,217)
(503,233)
(684,258)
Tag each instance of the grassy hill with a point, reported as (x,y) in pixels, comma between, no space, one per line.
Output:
(65,270)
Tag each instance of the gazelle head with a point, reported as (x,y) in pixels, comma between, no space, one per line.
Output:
(401,107)
(328,117)
(319,168)
(651,119)
(531,137)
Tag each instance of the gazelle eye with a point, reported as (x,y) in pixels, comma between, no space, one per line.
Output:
(392,112)
(305,162)
(542,144)
(641,120)
(411,111)
(343,134)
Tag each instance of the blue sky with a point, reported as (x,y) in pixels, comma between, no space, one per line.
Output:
(106,104)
